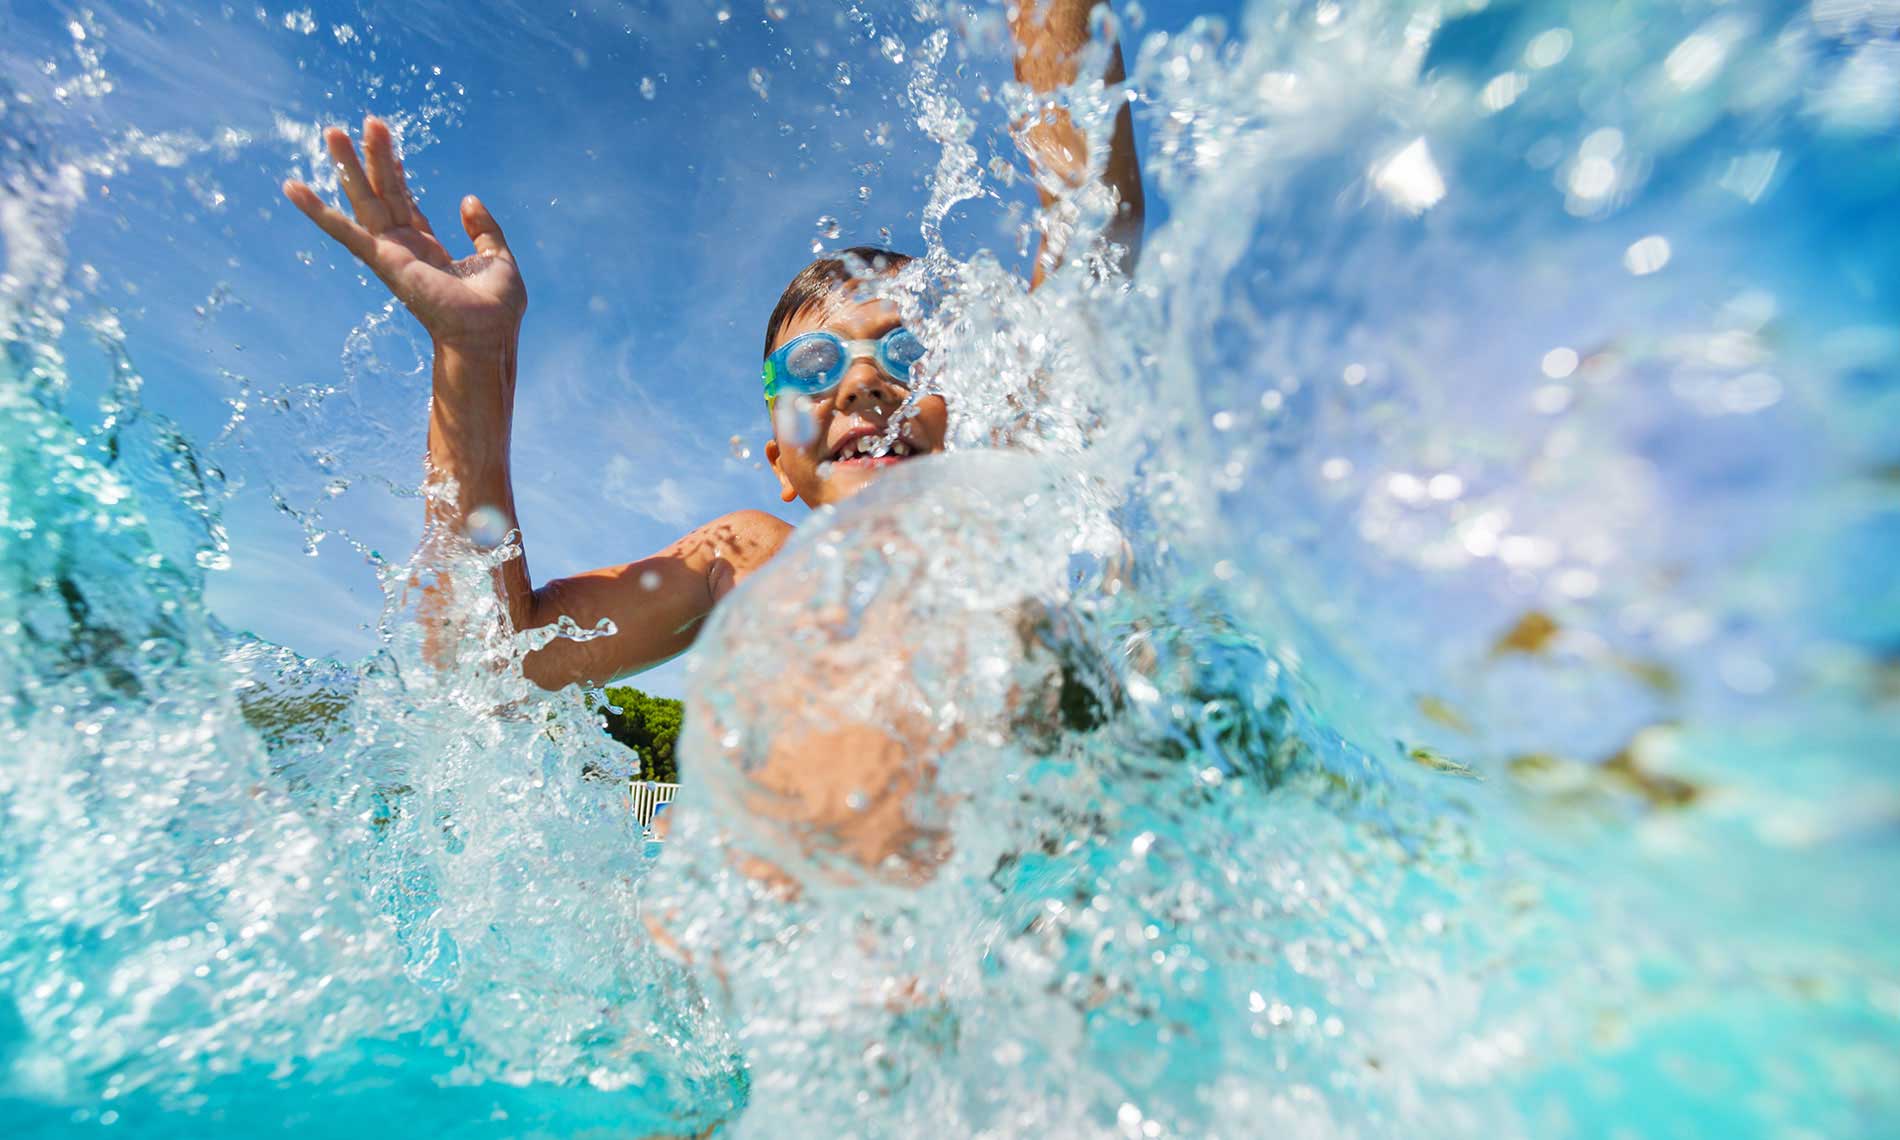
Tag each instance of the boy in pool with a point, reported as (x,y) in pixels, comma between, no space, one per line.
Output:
(846,360)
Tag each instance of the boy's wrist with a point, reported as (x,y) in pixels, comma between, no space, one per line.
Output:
(478,344)
(467,365)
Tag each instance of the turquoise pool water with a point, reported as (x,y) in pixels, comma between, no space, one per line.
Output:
(1419,659)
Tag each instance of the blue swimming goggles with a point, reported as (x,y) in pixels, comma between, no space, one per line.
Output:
(816,361)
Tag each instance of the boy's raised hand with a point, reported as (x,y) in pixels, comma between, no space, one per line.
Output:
(475,302)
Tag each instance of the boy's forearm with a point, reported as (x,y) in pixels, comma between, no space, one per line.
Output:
(1051,34)
(1050,37)
(471,419)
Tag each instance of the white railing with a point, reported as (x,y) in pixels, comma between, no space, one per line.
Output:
(649,797)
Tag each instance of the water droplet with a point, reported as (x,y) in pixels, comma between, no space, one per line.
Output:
(792,421)
(486,527)
(1695,61)
(1503,91)
(739,448)
(1593,177)
(649,580)
(1646,255)
(1411,179)
(756,80)
(1548,49)
(1551,399)
(1560,362)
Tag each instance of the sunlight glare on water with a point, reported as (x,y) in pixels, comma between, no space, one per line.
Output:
(1419,658)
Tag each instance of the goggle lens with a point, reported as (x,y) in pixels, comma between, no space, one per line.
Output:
(901,350)
(814,359)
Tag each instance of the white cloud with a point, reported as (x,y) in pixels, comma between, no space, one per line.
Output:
(663,501)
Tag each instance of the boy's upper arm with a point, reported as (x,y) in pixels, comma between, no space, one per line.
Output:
(656,604)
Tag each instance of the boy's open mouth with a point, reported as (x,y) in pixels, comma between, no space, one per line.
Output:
(867,447)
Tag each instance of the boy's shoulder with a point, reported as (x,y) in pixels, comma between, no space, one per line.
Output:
(746,538)
(751,521)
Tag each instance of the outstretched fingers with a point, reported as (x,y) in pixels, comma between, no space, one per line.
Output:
(482,228)
(386,177)
(416,217)
(330,220)
(369,209)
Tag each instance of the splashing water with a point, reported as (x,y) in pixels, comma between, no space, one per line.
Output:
(1417,658)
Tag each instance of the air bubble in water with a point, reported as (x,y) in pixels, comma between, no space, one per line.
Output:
(893,49)
(756,79)
(647,89)
(486,527)
(828,227)
(775,9)
(739,448)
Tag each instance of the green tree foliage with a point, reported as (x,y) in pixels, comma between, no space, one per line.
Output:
(647,724)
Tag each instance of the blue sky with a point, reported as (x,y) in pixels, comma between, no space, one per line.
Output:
(657,194)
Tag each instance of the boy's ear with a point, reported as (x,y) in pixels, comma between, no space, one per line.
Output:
(785,491)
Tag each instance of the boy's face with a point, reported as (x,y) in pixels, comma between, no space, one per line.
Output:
(824,467)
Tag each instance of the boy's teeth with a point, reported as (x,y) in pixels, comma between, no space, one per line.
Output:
(869,444)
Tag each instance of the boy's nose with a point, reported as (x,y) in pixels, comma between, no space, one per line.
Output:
(865,387)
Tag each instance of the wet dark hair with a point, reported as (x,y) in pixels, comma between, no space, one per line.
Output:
(822,276)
